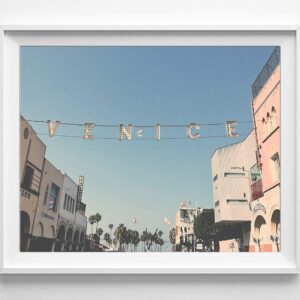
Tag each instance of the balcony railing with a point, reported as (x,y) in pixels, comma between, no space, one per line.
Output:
(266,72)
(256,190)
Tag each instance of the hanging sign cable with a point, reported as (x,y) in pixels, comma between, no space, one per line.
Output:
(125,132)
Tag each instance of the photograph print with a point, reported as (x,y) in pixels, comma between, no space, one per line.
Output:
(150,149)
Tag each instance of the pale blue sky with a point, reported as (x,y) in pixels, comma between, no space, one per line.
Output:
(139,85)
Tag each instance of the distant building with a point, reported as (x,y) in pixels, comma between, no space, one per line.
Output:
(234,169)
(265,222)
(72,222)
(184,228)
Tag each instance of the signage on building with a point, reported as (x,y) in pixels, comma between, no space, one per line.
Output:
(125,132)
(258,207)
(199,246)
(79,192)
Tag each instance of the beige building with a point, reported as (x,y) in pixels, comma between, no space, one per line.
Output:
(32,154)
(51,217)
(72,222)
(45,223)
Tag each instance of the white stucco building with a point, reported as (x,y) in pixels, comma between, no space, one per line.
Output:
(231,170)
(234,169)
(184,227)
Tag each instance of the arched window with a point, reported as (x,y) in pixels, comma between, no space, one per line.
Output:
(264,125)
(274,119)
(275,229)
(40,230)
(259,231)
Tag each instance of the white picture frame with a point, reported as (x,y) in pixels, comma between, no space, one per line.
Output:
(13,261)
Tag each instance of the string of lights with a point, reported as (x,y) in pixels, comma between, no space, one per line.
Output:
(142,138)
(141,126)
(192,130)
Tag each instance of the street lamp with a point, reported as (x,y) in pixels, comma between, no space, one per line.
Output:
(257,242)
(275,239)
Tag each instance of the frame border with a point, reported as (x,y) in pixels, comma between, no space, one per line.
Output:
(132,28)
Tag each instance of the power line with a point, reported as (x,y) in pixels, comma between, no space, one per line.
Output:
(140,139)
(142,126)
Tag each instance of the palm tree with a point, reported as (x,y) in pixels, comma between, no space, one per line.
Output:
(148,238)
(92,222)
(129,238)
(120,234)
(135,239)
(98,218)
(110,226)
(107,238)
(115,243)
(152,239)
(99,233)
(160,242)
(172,236)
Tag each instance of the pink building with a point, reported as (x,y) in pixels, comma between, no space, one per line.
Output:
(265,204)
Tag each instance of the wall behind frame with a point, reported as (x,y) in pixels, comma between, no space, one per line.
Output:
(165,287)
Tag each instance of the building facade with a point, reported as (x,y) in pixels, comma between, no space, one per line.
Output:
(184,228)
(231,170)
(72,222)
(45,223)
(32,154)
(234,169)
(51,217)
(265,223)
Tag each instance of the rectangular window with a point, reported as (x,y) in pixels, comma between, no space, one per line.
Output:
(234,174)
(53,198)
(255,173)
(69,203)
(184,213)
(215,178)
(65,201)
(236,201)
(276,166)
(27,180)
(217,203)
(72,205)
(46,194)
